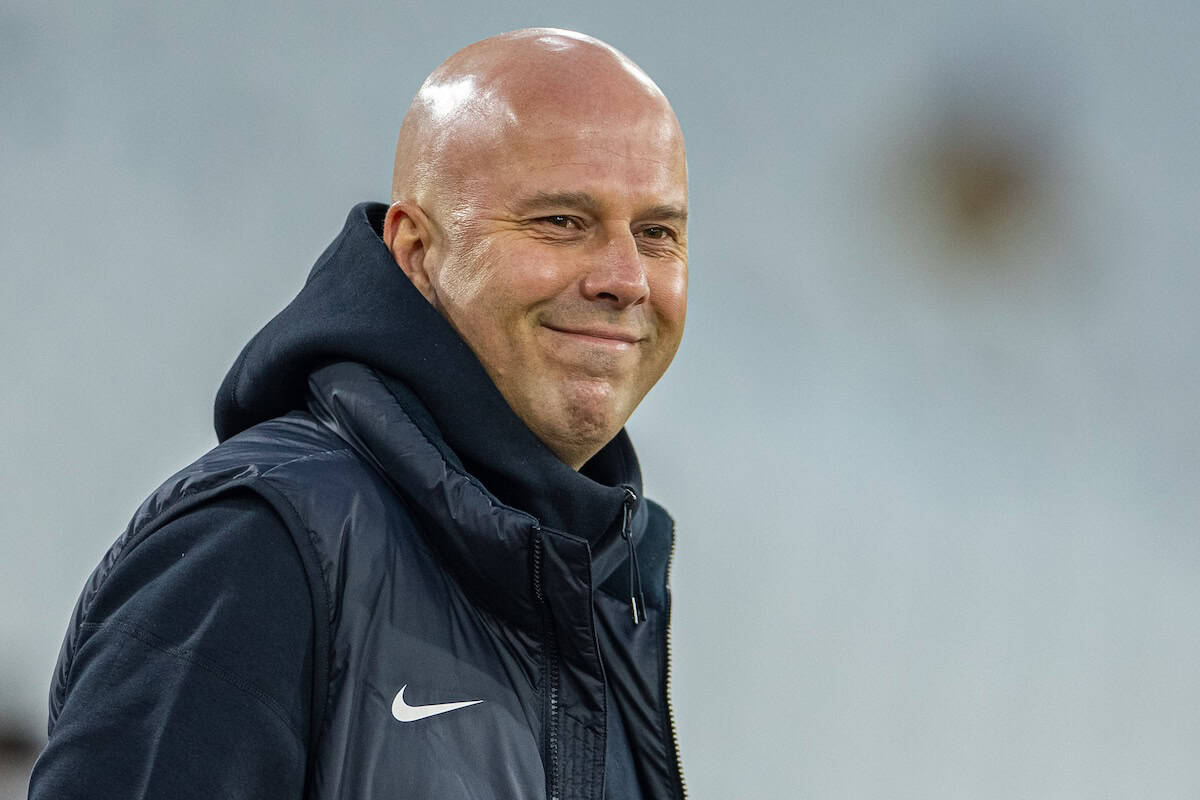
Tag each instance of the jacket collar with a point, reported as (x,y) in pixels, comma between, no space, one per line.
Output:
(486,543)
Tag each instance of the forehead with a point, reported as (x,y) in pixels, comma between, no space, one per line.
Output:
(637,158)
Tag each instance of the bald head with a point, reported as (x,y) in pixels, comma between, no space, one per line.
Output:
(489,89)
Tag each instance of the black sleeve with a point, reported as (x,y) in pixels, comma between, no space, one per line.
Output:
(193,674)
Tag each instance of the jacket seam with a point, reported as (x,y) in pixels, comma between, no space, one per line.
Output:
(191,657)
(327,591)
(307,457)
(313,539)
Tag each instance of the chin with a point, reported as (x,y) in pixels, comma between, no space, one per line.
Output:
(585,417)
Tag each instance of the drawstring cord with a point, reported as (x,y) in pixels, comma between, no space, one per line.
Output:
(637,600)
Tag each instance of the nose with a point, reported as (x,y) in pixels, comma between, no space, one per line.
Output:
(616,275)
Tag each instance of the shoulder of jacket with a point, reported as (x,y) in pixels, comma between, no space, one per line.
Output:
(279,460)
(244,459)
(242,462)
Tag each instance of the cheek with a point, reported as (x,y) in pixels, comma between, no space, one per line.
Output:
(669,291)
(464,277)
(524,280)
(533,273)
(487,297)
(505,271)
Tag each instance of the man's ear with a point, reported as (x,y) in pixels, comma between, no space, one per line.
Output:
(407,233)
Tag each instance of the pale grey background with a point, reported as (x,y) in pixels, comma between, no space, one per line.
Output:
(934,475)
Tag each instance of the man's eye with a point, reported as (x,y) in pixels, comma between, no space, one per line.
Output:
(656,232)
(561,221)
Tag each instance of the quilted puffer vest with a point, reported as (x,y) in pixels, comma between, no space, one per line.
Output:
(462,649)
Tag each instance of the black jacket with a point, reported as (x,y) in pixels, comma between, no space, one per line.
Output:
(445,555)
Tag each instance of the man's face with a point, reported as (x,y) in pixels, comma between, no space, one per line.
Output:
(565,268)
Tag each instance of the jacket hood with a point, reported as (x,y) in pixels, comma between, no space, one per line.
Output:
(358,306)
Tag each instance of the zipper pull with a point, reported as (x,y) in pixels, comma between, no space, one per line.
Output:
(637,600)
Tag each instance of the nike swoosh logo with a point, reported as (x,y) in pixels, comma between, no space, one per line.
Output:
(406,713)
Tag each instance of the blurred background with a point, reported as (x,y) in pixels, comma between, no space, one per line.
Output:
(931,441)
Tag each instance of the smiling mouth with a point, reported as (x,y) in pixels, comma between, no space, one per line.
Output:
(601,336)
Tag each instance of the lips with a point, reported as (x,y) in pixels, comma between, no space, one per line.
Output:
(610,335)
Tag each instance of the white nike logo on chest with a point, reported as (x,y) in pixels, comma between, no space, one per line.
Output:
(406,713)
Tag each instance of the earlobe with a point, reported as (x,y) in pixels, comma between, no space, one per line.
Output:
(406,234)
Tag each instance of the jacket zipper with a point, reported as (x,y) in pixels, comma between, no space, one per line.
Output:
(550,643)
(637,600)
(673,743)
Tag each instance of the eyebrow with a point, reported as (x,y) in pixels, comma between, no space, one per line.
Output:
(585,201)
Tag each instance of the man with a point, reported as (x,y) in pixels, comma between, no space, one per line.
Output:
(419,564)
